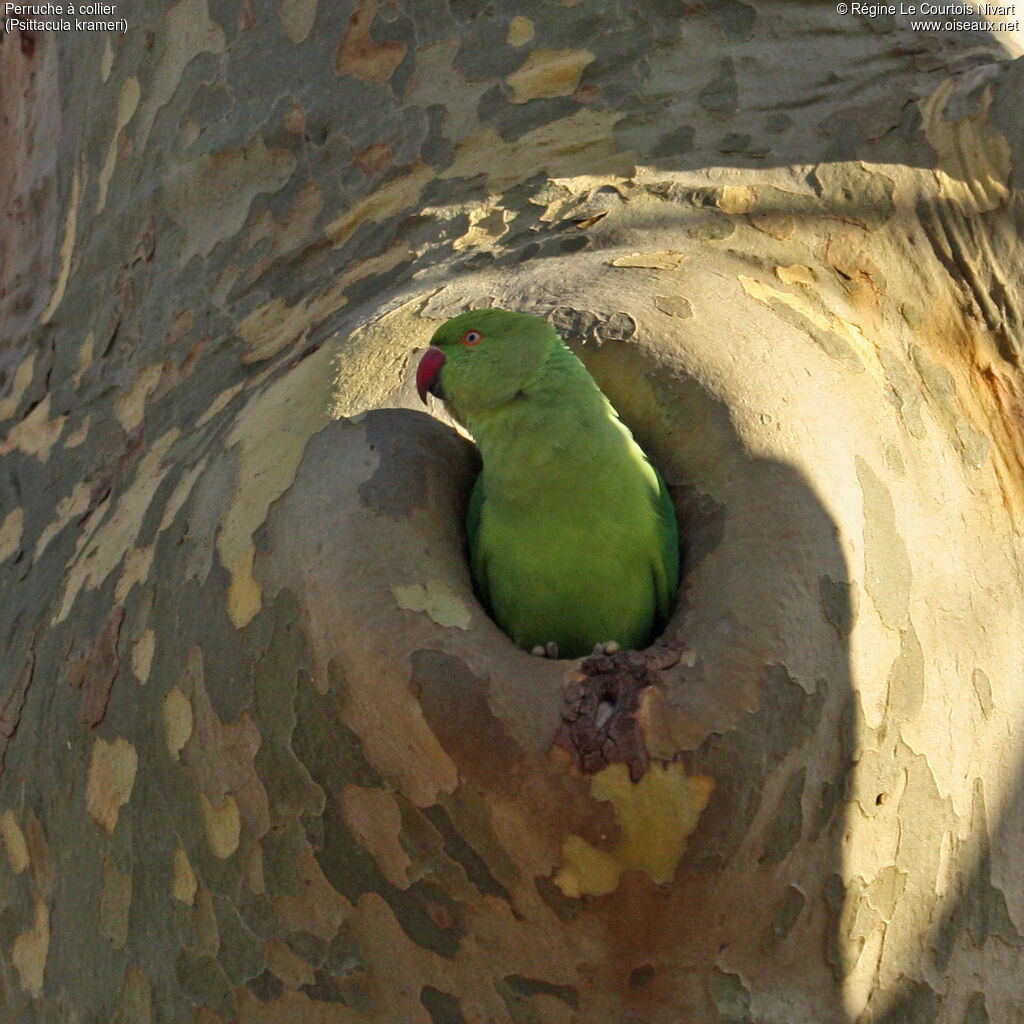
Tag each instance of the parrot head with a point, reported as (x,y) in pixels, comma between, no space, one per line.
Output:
(484,358)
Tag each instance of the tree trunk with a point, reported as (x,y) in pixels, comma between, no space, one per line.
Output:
(266,759)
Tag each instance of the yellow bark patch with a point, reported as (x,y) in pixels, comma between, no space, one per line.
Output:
(136,998)
(185,884)
(80,435)
(398,195)
(137,564)
(520,31)
(103,545)
(737,199)
(974,161)
(318,908)
(71,507)
(486,224)
(184,32)
(269,329)
(374,818)
(22,379)
(245,595)
(67,247)
(271,433)
(14,842)
(848,331)
(796,273)
(110,779)
(293,971)
(142,655)
(223,825)
(36,434)
(558,148)
(10,533)
(359,55)
(230,179)
(221,402)
(131,406)
(435,598)
(657,815)
(297,17)
(548,73)
(115,903)
(31,949)
(127,104)
(177,721)
(665,259)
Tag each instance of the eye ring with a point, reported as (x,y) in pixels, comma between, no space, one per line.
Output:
(471,338)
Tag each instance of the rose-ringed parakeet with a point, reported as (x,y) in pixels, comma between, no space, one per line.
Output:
(572,534)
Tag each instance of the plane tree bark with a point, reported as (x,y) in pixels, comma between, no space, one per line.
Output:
(264,756)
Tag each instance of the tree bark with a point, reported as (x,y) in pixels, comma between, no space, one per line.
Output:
(264,756)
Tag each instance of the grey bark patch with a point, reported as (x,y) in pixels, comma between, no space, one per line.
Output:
(13,702)
(640,977)
(425,912)
(983,691)
(460,851)
(565,908)
(701,523)
(203,981)
(329,749)
(786,914)
(281,849)
(574,324)
(455,705)
(840,599)
(325,988)
(979,907)
(675,143)
(906,678)
(202,613)
(742,758)
(674,305)
(735,19)
(714,229)
(887,573)
(787,823)
(519,986)
(731,997)
(976,1012)
(240,954)
(95,671)
(917,1002)
(442,1006)
(855,193)
(618,327)
(902,392)
(828,341)
(396,488)
(720,96)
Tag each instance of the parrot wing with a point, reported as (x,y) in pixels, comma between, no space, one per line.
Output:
(665,565)
(477,554)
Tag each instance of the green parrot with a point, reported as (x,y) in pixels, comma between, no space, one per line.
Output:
(572,535)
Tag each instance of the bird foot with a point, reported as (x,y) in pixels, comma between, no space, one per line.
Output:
(608,647)
(548,650)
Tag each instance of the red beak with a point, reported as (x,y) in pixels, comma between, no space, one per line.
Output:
(428,374)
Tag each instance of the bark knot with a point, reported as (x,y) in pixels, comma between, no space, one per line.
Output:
(600,708)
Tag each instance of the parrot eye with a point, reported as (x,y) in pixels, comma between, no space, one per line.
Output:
(472,338)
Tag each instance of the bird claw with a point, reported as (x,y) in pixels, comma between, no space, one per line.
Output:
(548,650)
(608,647)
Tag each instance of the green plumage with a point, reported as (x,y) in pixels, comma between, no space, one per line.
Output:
(572,534)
